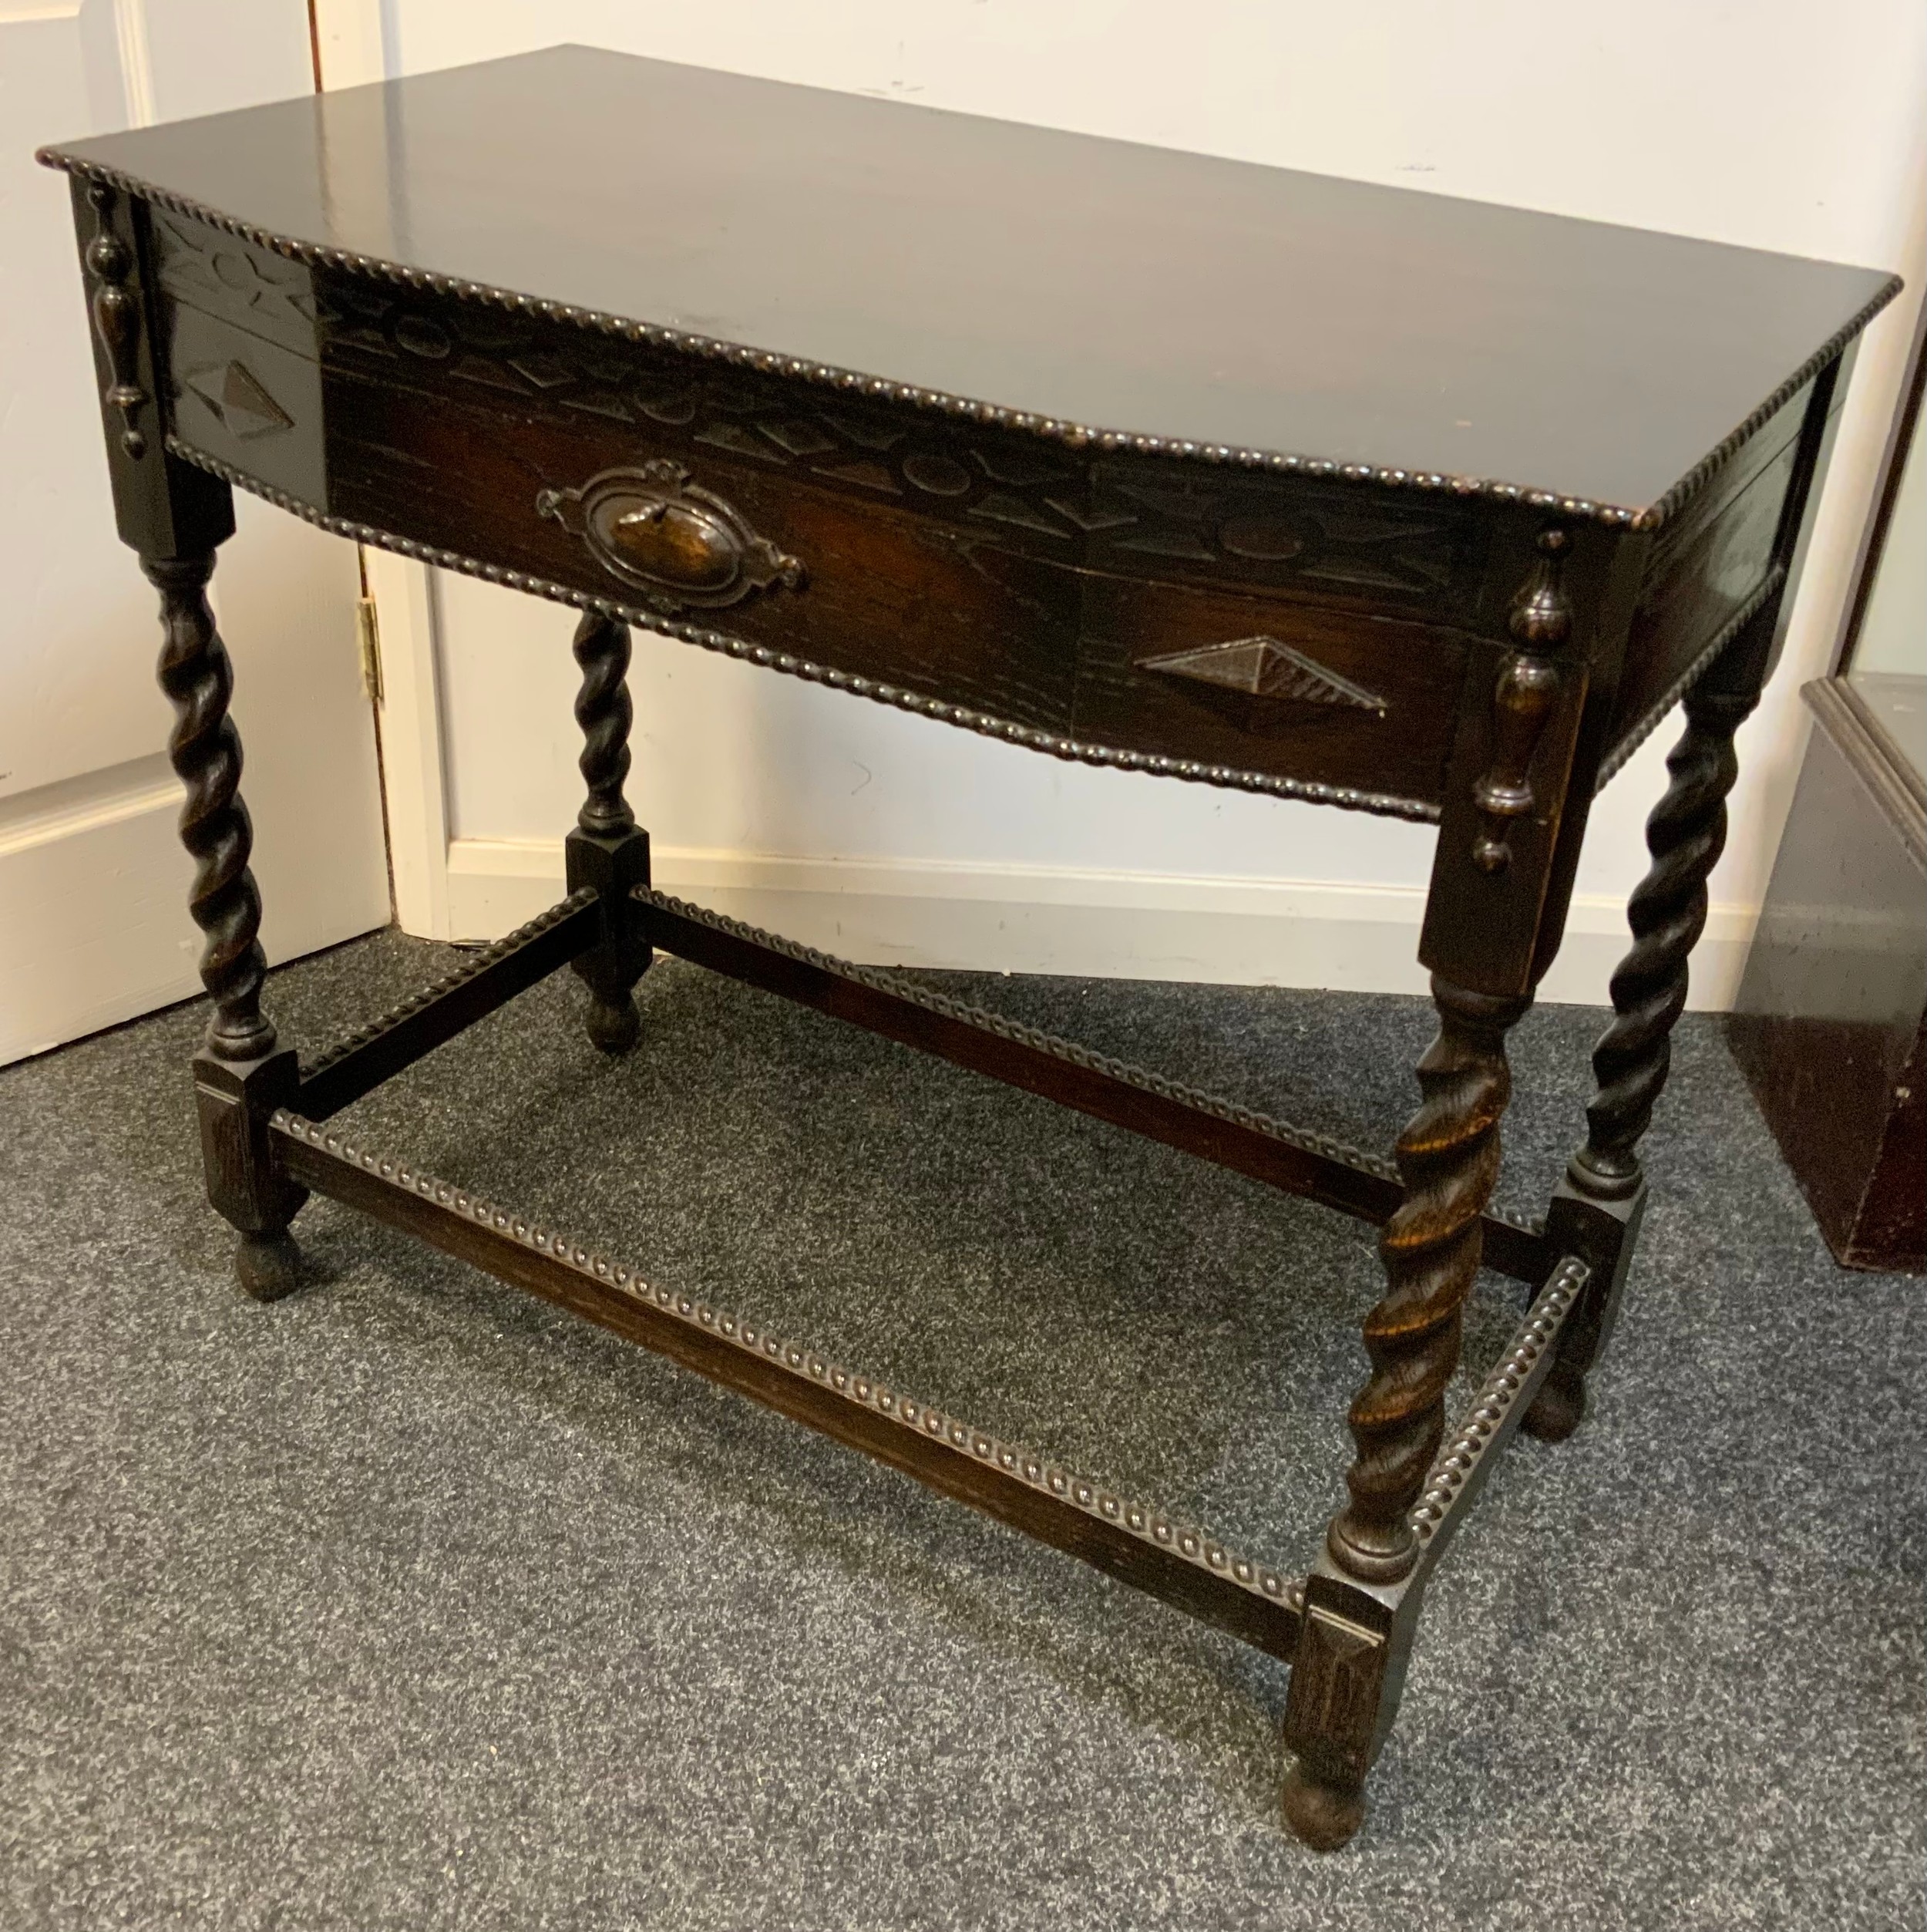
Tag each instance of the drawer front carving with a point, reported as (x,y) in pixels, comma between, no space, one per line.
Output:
(1260,677)
(1328,544)
(1324,540)
(1286,627)
(934,610)
(998,482)
(943,607)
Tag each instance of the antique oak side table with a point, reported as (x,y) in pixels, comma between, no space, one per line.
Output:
(1397,503)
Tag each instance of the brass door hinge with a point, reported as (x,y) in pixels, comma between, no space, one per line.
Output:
(369,635)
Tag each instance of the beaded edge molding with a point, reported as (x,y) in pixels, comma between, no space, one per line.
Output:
(406,1008)
(1074,435)
(1456,1461)
(1191,1544)
(1032,738)
(1087,1058)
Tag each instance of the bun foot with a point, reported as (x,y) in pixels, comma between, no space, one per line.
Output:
(613,1028)
(1557,1409)
(1324,1816)
(268,1266)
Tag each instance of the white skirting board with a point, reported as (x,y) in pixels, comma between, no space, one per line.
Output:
(94,925)
(93,912)
(1104,925)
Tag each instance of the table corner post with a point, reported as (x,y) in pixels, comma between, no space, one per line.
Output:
(174,515)
(241,1072)
(1601,1199)
(1493,889)
(1495,883)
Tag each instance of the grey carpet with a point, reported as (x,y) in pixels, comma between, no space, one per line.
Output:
(411,1603)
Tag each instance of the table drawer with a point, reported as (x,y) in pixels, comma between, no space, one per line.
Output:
(870,590)
(1286,628)
(930,604)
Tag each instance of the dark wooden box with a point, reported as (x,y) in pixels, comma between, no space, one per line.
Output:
(1828,1024)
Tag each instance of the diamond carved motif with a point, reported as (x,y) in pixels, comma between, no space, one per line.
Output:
(1260,668)
(242,407)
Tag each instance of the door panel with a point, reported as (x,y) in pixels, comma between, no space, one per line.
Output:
(93,883)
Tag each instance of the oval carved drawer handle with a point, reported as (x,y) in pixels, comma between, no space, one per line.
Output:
(654,528)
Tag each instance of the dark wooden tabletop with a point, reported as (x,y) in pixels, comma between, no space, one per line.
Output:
(1095,282)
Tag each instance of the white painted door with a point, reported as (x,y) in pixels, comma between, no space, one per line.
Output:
(888,838)
(93,882)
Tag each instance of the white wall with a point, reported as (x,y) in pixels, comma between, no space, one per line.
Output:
(1777,125)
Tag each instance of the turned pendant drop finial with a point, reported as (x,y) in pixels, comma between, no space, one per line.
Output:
(116,314)
(1542,617)
(1541,623)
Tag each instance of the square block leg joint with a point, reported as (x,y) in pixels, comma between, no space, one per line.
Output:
(1605,1234)
(246,1183)
(610,864)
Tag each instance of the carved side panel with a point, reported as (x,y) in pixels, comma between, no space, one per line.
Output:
(265,294)
(1704,569)
(247,401)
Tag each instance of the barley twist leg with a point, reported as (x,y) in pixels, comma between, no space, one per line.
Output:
(1448,1157)
(205,753)
(1667,912)
(607,850)
(1686,834)
(605,714)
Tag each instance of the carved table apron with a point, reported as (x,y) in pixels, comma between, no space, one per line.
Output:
(1009,429)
